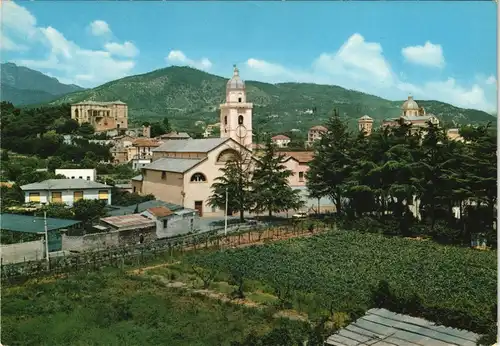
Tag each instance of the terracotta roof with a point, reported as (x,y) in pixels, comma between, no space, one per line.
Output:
(318,128)
(160,211)
(301,156)
(145,142)
(277,137)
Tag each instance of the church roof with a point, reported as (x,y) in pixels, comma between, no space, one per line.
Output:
(366,117)
(173,164)
(410,104)
(203,145)
(235,83)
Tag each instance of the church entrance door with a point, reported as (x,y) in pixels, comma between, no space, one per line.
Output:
(198,205)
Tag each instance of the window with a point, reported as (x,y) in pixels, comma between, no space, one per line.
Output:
(72,177)
(56,197)
(198,178)
(228,155)
(35,197)
(240,119)
(80,177)
(301,176)
(239,99)
(76,113)
(165,223)
(134,189)
(103,195)
(163,175)
(77,195)
(88,178)
(225,120)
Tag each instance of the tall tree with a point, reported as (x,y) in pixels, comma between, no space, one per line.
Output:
(329,169)
(236,180)
(270,186)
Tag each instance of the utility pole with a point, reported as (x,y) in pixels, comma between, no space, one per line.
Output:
(225,217)
(46,239)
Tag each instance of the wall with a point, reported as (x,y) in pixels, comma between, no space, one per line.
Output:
(67,195)
(136,186)
(167,190)
(20,252)
(296,168)
(104,240)
(85,174)
(232,111)
(176,224)
(111,116)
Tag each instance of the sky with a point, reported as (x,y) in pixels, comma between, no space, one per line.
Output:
(442,51)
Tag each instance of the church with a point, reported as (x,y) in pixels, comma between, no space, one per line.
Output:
(183,171)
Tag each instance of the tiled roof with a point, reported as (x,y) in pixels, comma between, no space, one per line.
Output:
(131,209)
(128,221)
(204,145)
(160,211)
(301,156)
(32,224)
(145,142)
(277,137)
(318,128)
(380,327)
(64,184)
(168,164)
(175,135)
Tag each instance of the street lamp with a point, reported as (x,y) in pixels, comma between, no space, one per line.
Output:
(46,231)
(225,217)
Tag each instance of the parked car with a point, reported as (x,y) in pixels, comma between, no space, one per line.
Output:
(300,215)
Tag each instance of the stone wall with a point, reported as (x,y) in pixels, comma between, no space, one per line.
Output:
(99,241)
(21,252)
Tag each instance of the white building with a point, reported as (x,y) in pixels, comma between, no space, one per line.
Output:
(65,191)
(171,223)
(281,141)
(85,174)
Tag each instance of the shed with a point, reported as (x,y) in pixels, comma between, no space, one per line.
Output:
(381,327)
(36,225)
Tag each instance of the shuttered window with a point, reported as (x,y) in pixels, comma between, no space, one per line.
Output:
(35,197)
(103,194)
(56,197)
(77,195)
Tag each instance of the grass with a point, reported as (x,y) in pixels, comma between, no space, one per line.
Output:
(116,309)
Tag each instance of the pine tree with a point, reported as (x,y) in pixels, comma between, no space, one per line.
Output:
(270,186)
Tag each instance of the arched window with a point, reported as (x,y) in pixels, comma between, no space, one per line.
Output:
(228,155)
(225,120)
(240,119)
(76,113)
(198,178)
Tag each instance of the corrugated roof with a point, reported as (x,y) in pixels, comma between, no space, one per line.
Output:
(160,211)
(168,164)
(137,178)
(381,327)
(32,224)
(131,209)
(124,222)
(64,184)
(191,145)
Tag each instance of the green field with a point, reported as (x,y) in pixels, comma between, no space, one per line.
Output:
(113,309)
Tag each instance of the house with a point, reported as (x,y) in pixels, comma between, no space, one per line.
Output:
(65,191)
(143,151)
(172,223)
(298,163)
(315,133)
(281,141)
(85,174)
(133,228)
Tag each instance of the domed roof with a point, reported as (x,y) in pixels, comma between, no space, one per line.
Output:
(366,118)
(410,104)
(235,83)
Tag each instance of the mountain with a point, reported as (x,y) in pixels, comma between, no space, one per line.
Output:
(186,95)
(22,86)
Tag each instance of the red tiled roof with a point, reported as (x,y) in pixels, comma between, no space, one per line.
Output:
(277,137)
(145,142)
(318,128)
(301,156)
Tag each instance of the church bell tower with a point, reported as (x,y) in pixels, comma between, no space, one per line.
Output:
(236,112)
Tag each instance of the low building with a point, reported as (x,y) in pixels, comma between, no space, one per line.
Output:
(172,223)
(174,135)
(85,174)
(141,207)
(281,141)
(134,228)
(65,191)
(298,163)
(143,152)
(380,327)
(124,187)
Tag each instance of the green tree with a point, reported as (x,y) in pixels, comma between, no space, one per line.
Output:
(236,180)
(58,210)
(54,163)
(270,186)
(329,169)
(89,210)
(86,130)
(166,125)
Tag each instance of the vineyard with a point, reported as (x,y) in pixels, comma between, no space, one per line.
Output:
(339,271)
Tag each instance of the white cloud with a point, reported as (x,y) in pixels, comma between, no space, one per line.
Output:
(64,59)
(8,45)
(99,28)
(178,57)
(127,49)
(361,65)
(491,80)
(427,55)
